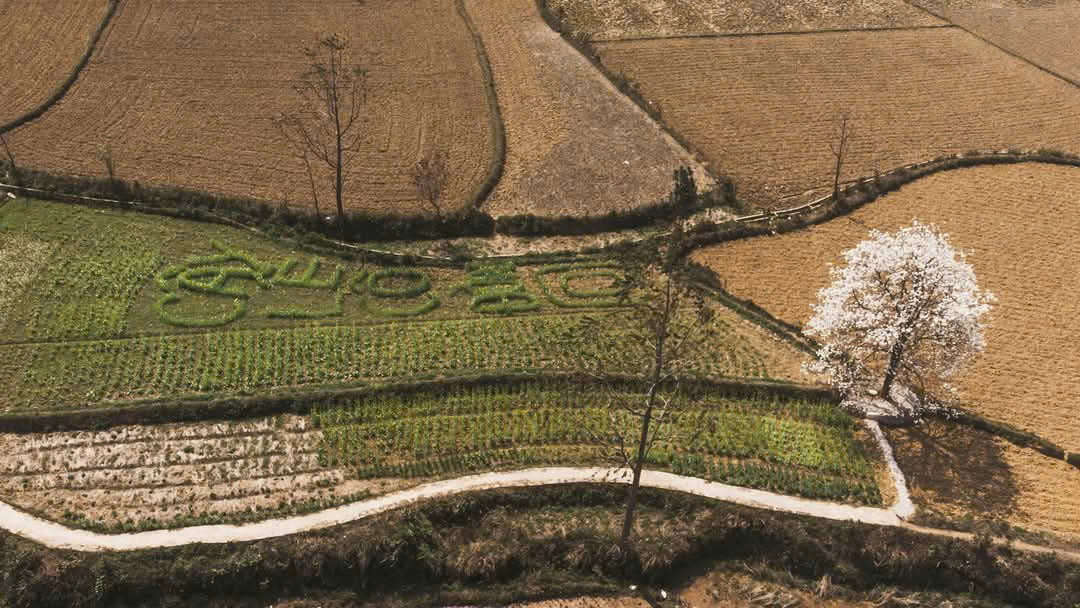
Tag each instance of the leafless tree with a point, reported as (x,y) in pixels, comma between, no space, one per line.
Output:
(106,156)
(670,324)
(843,133)
(430,175)
(327,125)
(13,169)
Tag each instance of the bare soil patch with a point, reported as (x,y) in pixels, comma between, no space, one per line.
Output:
(958,471)
(133,474)
(185,94)
(1042,31)
(762,108)
(1018,223)
(575,144)
(612,20)
(42,42)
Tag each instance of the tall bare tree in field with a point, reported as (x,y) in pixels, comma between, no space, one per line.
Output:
(843,133)
(328,123)
(669,325)
(12,169)
(429,176)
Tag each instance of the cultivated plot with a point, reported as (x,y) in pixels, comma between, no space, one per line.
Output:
(575,145)
(607,20)
(180,474)
(186,94)
(1018,224)
(1042,31)
(136,307)
(763,108)
(957,472)
(42,43)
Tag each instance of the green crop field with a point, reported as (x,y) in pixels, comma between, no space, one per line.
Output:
(789,446)
(119,306)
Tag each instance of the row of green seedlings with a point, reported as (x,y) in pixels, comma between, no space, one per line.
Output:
(827,459)
(89,295)
(242,361)
(781,441)
(568,296)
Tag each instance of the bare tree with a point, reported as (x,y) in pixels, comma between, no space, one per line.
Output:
(13,169)
(670,323)
(105,155)
(333,94)
(430,175)
(843,133)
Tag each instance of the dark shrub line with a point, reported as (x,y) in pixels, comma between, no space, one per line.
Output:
(485,538)
(72,76)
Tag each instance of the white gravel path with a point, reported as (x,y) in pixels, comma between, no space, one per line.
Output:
(57,535)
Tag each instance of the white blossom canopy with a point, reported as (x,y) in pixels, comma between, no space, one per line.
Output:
(905,307)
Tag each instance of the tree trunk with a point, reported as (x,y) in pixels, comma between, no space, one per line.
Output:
(639,463)
(337,190)
(895,353)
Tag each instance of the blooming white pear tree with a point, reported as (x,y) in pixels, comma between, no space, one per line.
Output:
(904,308)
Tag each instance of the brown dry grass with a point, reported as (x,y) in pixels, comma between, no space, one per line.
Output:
(958,471)
(762,108)
(186,93)
(575,145)
(1019,224)
(135,473)
(617,19)
(1042,31)
(41,43)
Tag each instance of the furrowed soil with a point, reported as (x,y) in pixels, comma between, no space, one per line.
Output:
(1012,23)
(42,42)
(960,472)
(154,476)
(187,95)
(1017,223)
(601,20)
(763,108)
(575,144)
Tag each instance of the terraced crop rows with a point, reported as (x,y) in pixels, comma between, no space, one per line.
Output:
(186,94)
(52,375)
(147,476)
(791,447)
(43,41)
(762,108)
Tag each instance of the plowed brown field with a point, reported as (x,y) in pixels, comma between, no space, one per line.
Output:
(186,93)
(1042,31)
(574,143)
(612,20)
(762,108)
(958,471)
(41,43)
(1019,223)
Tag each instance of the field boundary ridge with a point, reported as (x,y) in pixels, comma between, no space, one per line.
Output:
(271,403)
(70,79)
(838,30)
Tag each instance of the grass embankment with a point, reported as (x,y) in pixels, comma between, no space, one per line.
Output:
(500,546)
(120,306)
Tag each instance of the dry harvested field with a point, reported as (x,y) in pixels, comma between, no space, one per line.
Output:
(575,144)
(1019,225)
(43,40)
(186,94)
(134,474)
(762,108)
(617,19)
(1042,31)
(961,472)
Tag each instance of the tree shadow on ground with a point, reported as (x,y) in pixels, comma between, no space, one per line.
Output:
(956,470)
